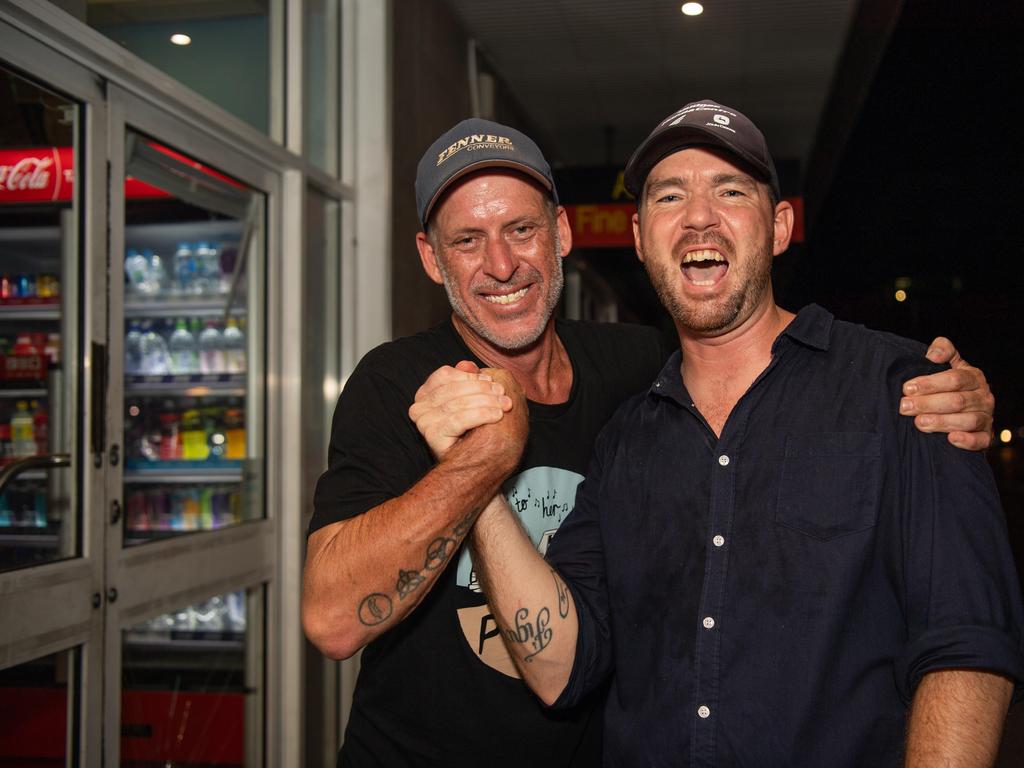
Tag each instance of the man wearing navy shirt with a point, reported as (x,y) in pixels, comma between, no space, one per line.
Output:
(777,568)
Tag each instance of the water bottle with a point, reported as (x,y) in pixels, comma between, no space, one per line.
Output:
(183,349)
(211,349)
(207,268)
(234,347)
(156,276)
(133,349)
(155,357)
(184,269)
(136,269)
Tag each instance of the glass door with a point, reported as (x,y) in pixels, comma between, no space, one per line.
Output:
(192,551)
(52,451)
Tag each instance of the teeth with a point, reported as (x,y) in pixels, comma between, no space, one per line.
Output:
(508,298)
(706,255)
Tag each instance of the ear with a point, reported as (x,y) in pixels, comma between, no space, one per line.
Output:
(564,231)
(783,227)
(428,258)
(636,236)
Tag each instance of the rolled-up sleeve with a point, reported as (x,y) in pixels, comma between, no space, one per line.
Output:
(577,552)
(963,601)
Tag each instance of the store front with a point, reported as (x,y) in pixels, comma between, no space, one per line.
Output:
(159,257)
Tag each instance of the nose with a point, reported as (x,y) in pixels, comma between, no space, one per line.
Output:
(500,262)
(699,213)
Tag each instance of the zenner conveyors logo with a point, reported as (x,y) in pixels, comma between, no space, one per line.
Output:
(477,141)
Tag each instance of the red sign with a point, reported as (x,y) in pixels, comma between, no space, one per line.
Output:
(46,175)
(601,225)
(610,225)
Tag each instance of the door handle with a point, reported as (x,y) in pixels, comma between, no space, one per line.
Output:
(48,461)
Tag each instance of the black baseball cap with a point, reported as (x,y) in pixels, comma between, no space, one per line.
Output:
(474,145)
(702,123)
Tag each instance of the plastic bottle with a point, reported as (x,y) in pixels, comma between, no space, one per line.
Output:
(156,274)
(183,348)
(23,436)
(207,268)
(184,268)
(133,349)
(155,358)
(136,269)
(234,347)
(211,349)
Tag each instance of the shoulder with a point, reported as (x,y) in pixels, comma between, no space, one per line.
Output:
(881,353)
(406,362)
(615,346)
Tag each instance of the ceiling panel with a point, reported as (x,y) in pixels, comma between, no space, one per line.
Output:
(577,66)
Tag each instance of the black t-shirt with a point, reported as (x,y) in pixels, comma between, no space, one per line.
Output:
(431,690)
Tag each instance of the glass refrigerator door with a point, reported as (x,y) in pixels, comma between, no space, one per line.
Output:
(189,340)
(37,263)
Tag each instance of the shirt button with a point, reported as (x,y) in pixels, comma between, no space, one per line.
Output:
(723,460)
(709,623)
(704,712)
(718,540)
(657,384)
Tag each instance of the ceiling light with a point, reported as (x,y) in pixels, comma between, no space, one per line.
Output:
(901,295)
(1006,436)
(692,9)
(180,39)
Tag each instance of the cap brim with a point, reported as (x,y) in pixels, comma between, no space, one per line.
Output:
(480,166)
(657,148)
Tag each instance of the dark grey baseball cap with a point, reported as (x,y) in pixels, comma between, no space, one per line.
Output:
(702,123)
(471,146)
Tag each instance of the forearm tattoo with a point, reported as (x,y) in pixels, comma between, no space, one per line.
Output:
(536,633)
(377,607)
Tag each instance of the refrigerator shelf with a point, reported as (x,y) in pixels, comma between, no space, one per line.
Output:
(30,311)
(172,307)
(23,393)
(187,384)
(140,472)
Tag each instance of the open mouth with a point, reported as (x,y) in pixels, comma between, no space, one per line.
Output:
(506,298)
(704,267)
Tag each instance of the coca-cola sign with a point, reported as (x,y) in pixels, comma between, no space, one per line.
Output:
(36,175)
(46,175)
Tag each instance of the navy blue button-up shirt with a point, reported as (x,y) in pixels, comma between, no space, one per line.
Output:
(772,597)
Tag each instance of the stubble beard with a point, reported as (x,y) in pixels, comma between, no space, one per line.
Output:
(713,315)
(511,341)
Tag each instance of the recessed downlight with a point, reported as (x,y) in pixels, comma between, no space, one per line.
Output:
(692,9)
(179,38)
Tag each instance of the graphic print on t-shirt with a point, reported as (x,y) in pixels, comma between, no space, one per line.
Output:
(541,497)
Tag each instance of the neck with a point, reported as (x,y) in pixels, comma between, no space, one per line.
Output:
(542,369)
(718,370)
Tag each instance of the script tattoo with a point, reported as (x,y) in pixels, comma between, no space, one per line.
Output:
(537,634)
(563,595)
(407,582)
(438,552)
(374,609)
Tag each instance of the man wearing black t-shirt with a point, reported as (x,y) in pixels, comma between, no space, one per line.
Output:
(437,686)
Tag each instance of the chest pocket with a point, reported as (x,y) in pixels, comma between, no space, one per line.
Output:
(830,483)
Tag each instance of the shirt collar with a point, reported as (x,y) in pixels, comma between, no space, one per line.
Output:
(812,327)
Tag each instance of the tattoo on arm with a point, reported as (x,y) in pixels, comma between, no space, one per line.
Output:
(563,594)
(537,633)
(407,582)
(438,552)
(463,526)
(374,609)
(377,607)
